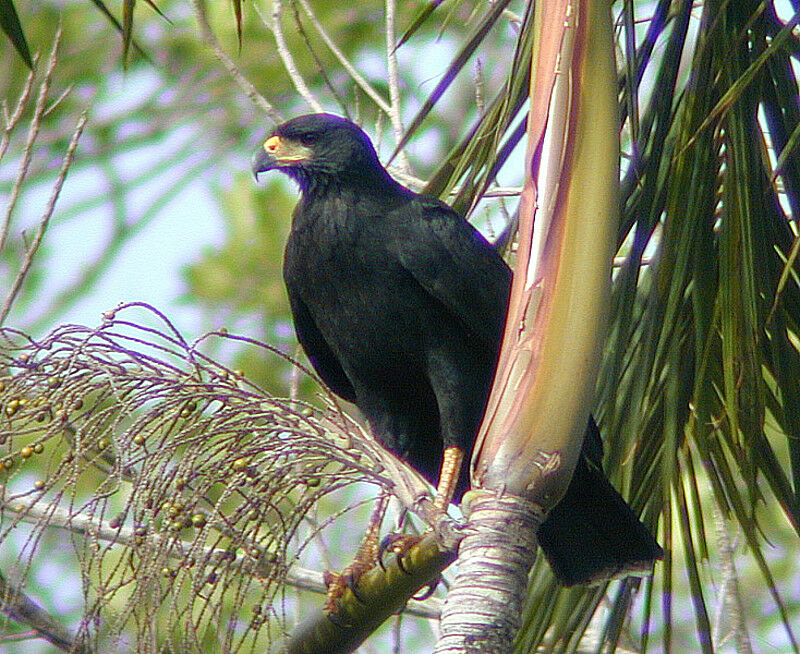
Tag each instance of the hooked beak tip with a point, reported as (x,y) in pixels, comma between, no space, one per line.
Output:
(261,162)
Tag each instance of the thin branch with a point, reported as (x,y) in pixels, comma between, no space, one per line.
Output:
(59,518)
(730,596)
(45,221)
(33,131)
(121,234)
(276,28)
(57,102)
(417,184)
(208,36)
(512,17)
(357,78)
(22,103)
(22,609)
(394,80)
(480,103)
(321,71)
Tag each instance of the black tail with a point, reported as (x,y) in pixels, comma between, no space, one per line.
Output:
(592,534)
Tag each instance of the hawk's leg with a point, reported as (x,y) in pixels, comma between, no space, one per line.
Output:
(452,460)
(365,559)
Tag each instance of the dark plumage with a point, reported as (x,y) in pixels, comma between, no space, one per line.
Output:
(399,304)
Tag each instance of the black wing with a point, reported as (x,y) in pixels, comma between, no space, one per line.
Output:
(319,352)
(453,262)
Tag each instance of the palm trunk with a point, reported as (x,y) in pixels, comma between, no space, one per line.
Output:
(534,425)
(484,606)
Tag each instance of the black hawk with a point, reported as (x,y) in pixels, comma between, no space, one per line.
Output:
(400,304)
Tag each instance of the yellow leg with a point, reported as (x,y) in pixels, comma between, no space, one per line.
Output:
(368,550)
(365,559)
(448,477)
(452,459)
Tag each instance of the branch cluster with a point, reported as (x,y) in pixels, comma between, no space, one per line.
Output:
(185,487)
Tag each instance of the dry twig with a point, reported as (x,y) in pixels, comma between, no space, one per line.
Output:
(45,220)
(250,90)
(33,131)
(200,514)
(395,113)
(349,68)
(285,53)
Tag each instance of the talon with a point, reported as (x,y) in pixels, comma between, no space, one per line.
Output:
(431,589)
(398,544)
(337,582)
(333,582)
(365,559)
(329,577)
(401,566)
(350,577)
(333,616)
(388,544)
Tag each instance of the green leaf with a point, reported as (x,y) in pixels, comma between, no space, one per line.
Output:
(127,27)
(237,12)
(127,41)
(9,21)
(456,65)
(421,17)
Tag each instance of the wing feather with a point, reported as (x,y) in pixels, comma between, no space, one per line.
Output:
(319,352)
(453,262)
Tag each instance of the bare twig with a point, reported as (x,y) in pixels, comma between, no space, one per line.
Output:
(417,184)
(479,90)
(57,102)
(33,131)
(730,596)
(286,55)
(121,233)
(45,221)
(37,512)
(321,70)
(12,120)
(354,74)
(394,81)
(22,609)
(512,17)
(224,474)
(250,90)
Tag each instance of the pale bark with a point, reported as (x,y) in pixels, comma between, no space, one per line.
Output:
(484,606)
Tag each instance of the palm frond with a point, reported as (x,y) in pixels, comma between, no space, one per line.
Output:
(9,22)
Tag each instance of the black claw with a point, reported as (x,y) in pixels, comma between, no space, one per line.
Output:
(334,617)
(385,544)
(431,589)
(399,544)
(351,581)
(400,563)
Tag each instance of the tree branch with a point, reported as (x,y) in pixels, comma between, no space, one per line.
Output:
(35,512)
(379,593)
(395,113)
(22,609)
(354,74)
(286,55)
(33,132)
(250,90)
(45,221)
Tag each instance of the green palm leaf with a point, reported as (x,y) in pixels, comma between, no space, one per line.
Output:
(9,22)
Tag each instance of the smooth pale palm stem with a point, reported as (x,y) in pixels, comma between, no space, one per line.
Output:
(533,430)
